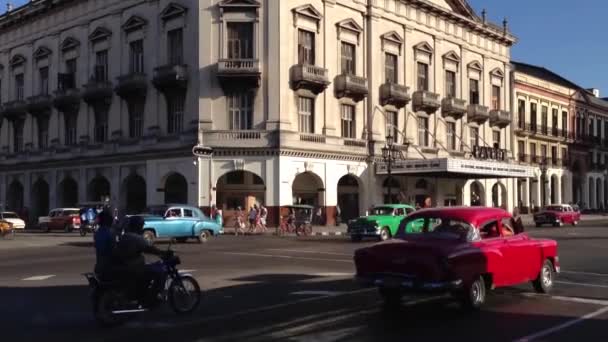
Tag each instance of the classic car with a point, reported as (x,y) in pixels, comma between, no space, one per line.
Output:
(179,222)
(13,218)
(464,251)
(66,219)
(557,215)
(382,222)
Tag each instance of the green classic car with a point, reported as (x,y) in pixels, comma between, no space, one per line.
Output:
(382,222)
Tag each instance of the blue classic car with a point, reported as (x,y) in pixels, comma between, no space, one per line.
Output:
(179,222)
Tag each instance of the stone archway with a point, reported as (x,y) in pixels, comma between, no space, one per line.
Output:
(307,188)
(68,193)
(240,189)
(348,197)
(40,198)
(477,194)
(14,196)
(499,195)
(176,189)
(134,194)
(98,190)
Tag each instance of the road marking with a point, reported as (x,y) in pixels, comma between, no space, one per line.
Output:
(568,299)
(308,251)
(38,278)
(585,273)
(581,284)
(286,257)
(316,293)
(563,326)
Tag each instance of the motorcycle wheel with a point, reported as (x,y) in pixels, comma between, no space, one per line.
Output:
(83,231)
(104,304)
(184,295)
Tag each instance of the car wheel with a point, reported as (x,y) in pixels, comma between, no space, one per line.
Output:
(356,238)
(390,297)
(45,228)
(474,295)
(574,223)
(203,236)
(385,234)
(149,236)
(544,282)
(558,224)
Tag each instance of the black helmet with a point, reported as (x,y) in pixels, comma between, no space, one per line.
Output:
(135,224)
(105,219)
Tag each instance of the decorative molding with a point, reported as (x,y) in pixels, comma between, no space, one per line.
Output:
(69,43)
(134,23)
(239,164)
(497,72)
(240,4)
(392,37)
(42,52)
(100,33)
(173,10)
(349,25)
(423,52)
(475,65)
(424,47)
(308,166)
(17,60)
(309,12)
(452,56)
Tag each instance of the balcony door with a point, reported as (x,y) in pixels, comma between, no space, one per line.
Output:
(240,40)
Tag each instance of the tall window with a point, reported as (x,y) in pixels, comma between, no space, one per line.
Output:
(451,135)
(564,155)
(423,76)
(423,135)
(521,114)
(43,131)
(606,129)
(240,110)
(591,127)
(43,86)
(101,125)
(19,84)
(533,119)
(390,68)
(554,121)
(67,80)
(136,57)
(136,119)
(450,83)
(474,137)
(175,46)
(496,97)
(101,66)
(554,154)
(521,150)
(496,139)
(175,113)
(565,124)
(18,135)
(544,119)
(473,91)
(348,121)
(306,114)
(543,153)
(306,47)
(533,151)
(70,121)
(392,124)
(240,40)
(347,59)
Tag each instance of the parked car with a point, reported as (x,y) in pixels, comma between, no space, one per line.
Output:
(382,223)
(464,251)
(66,219)
(12,217)
(180,222)
(557,215)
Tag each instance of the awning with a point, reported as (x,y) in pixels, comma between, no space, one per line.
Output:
(457,168)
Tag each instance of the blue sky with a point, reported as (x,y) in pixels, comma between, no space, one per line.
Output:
(561,35)
(565,36)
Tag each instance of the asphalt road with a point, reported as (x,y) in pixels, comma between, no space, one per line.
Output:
(265,288)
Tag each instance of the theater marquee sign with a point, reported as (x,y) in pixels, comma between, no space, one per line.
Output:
(458,167)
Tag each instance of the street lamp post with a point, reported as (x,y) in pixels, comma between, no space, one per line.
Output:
(389,155)
(543,170)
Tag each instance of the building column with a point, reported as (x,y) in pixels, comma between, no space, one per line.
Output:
(526,194)
(52,188)
(82,185)
(538,197)
(584,189)
(558,190)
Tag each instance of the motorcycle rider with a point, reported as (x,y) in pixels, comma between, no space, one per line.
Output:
(104,246)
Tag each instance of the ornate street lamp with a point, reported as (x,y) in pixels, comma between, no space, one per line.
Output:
(389,155)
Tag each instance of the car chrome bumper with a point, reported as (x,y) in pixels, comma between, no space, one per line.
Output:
(408,284)
(363,232)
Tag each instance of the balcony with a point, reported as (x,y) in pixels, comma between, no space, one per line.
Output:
(239,73)
(169,78)
(453,107)
(478,113)
(133,85)
(394,94)
(239,139)
(14,110)
(67,100)
(40,104)
(97,91)
(309,77)
(347,85)
(523,129)
(425,101)
(500,118)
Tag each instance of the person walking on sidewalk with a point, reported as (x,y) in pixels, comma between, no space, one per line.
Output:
(253,216)
(263,216)
(239,225)
(338,216)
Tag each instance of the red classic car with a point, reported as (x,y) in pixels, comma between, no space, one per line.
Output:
(557,215)
(464,251)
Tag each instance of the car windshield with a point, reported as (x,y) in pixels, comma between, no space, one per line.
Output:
(436,227)
(70,212)
(555,208)
(10,216)
(382,211)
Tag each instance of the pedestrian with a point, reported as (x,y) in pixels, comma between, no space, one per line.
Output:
(219,217)
(428,202)
(240,222)
(338,215)
(253,214)
(518,225)
(212,211)
(318,217)
(263,217)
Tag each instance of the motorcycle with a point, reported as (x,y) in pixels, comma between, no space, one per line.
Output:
(88,228)
(114,305)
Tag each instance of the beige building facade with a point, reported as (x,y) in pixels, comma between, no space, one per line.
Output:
(292,100)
